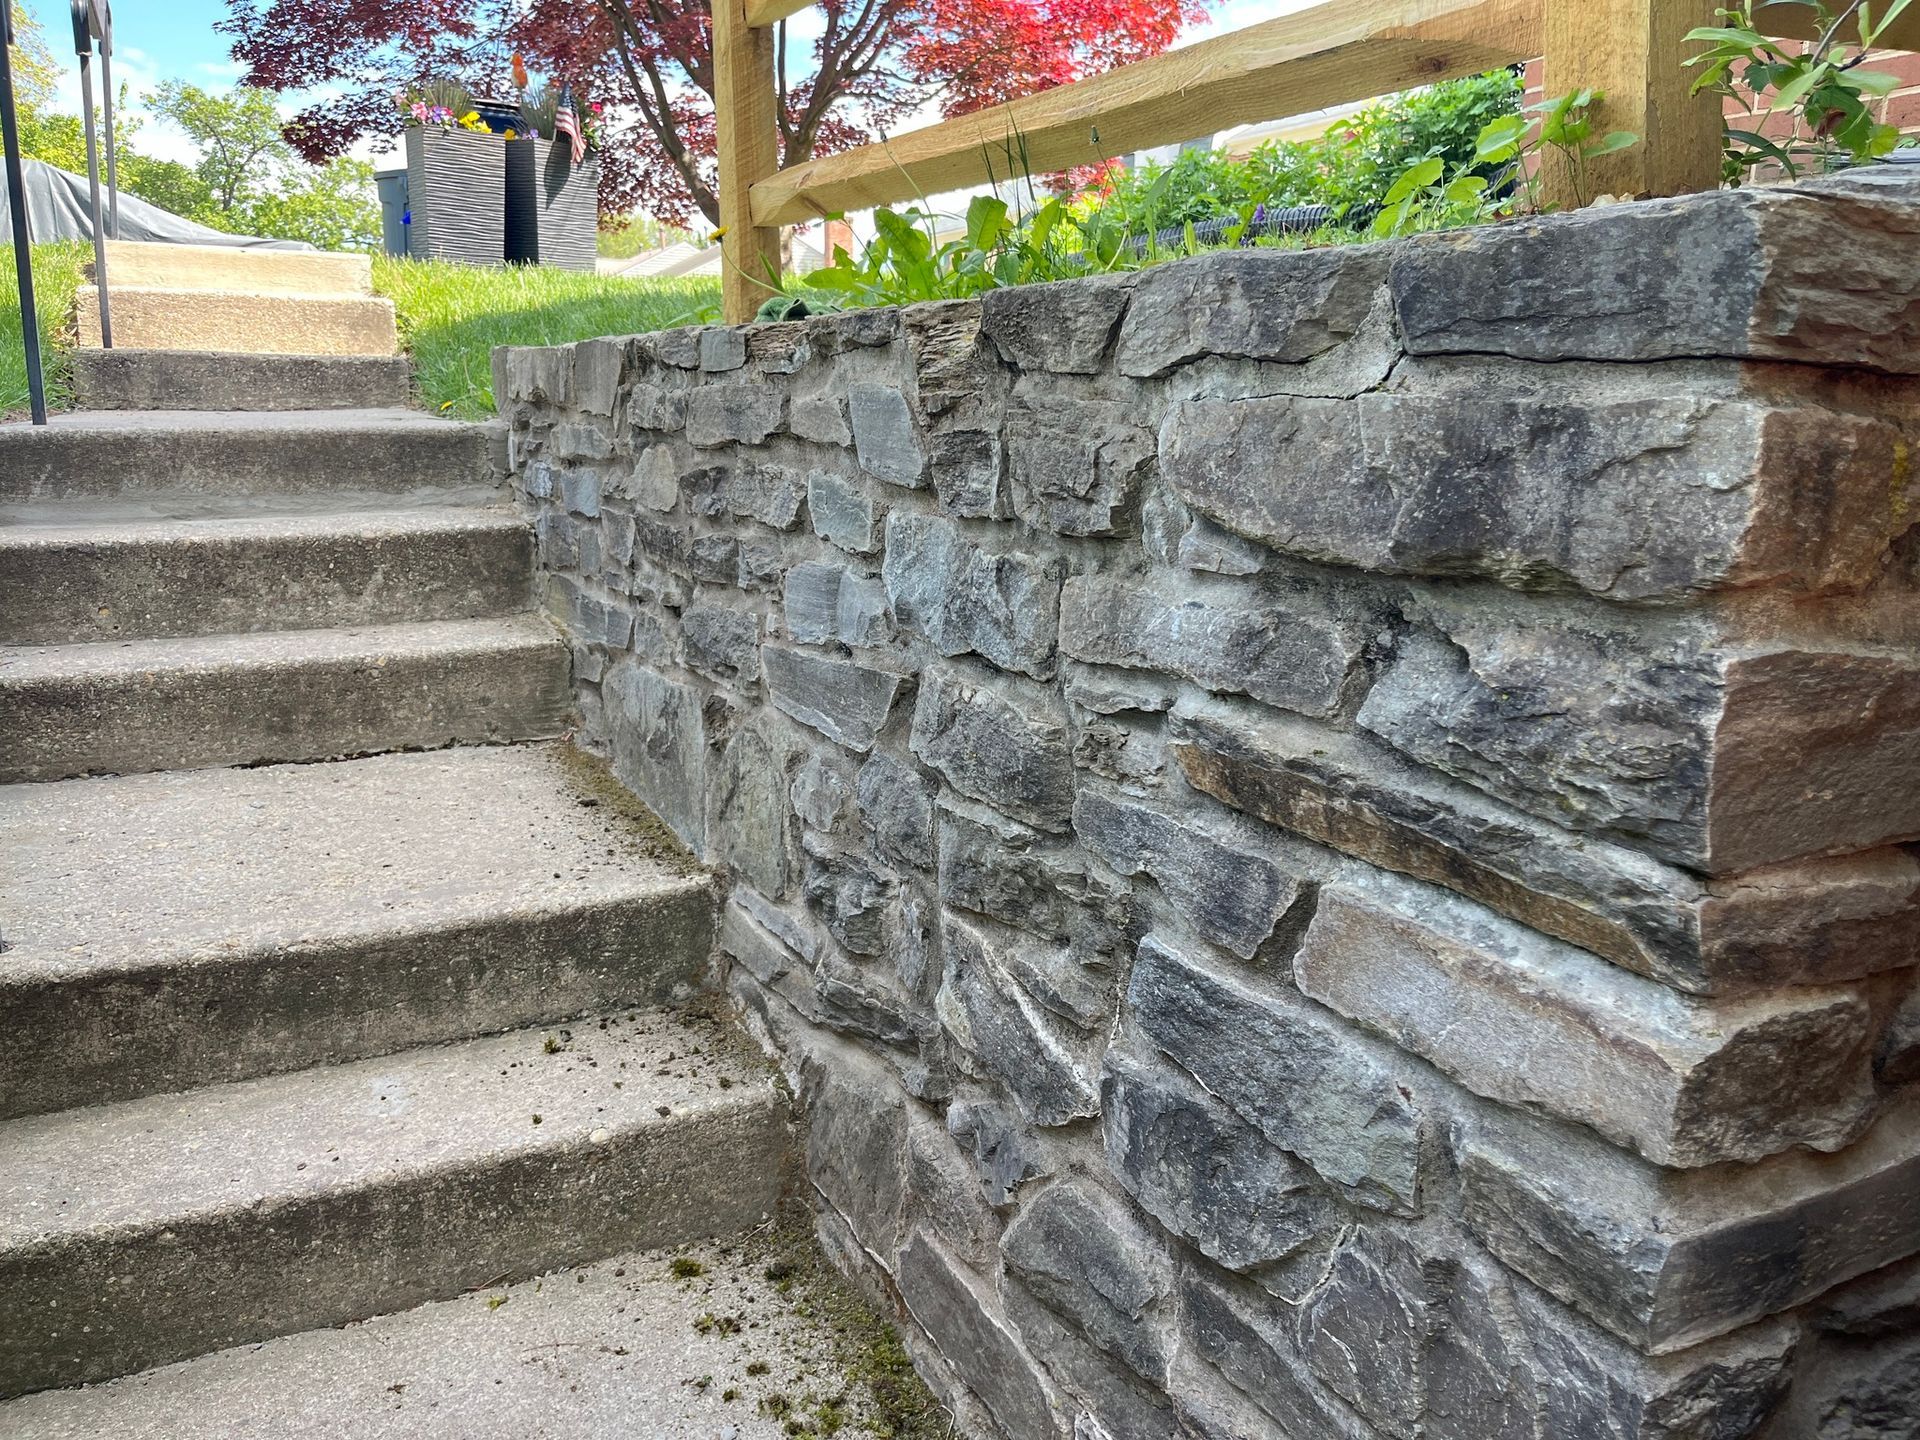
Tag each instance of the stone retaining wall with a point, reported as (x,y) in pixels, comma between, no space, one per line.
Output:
(1325,834)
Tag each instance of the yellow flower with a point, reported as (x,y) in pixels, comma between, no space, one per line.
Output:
(721,233)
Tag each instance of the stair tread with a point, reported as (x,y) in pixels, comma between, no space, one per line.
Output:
(138,529)
(149,870)
(603,1350)
(227,421)
(270,649)
(152,1164)
(117,288)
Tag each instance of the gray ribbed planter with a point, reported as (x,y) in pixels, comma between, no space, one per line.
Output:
(553,205)
(456,192)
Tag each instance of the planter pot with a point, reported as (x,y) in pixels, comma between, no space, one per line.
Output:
(553,205)
(456,191)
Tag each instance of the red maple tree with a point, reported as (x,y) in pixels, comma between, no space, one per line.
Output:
(649,65)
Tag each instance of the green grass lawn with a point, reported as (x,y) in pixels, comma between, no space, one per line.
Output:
(451,317)
(56,273)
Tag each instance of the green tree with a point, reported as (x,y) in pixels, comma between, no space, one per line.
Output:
(35,71)
(332,206)
(237,132)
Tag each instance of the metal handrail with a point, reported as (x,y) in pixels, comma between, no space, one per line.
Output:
(17,212)
(93,24)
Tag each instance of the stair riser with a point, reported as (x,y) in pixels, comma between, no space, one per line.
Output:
(120,379)
(58,464)
(229,267)
(110,1306)
(180,719)
(86,590)
(176,1026)
(248,324)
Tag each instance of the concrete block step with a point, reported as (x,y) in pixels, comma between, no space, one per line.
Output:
(68,584)
(204,926)
(181,463)
(608,1351)
(136,1234)
(125,379)
(151,318)
(230,267)
(113,708)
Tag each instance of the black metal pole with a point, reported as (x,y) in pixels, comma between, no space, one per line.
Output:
(17,212)
(83,45)
(105,12)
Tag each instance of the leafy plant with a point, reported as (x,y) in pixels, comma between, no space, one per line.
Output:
(1348,168)
(1822,89)
(1430,195)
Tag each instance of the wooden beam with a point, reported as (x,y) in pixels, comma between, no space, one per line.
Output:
(1334,53)
(1633,52)
(1798,22)
(747,141)
(763,13)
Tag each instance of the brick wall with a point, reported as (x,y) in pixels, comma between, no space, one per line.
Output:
(1324,835)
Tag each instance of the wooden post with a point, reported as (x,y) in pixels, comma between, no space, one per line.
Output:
(1632,50)
(744,100)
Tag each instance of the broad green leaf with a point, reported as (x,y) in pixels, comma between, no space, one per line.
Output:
(1872,82)
(1415,177)
(1463,189)
(1499,139)
(1612,141)
(986,221)
(1790,94)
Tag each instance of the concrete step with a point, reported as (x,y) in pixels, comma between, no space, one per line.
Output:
(136,1234)
(164,578)
(123,379)
(180,463)
(197,927)
(115,708)
(231,267)
(150,318)
(609,1351)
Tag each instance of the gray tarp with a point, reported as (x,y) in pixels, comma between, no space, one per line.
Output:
(58,209)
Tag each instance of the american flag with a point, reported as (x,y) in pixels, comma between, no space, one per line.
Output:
(566,123)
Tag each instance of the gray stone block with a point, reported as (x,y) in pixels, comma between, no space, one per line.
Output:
(886,438)
(747,813)
(1077,465)
(896,802)
(1808,922)
(1060,329)
(1003,746)
(844,700)
(1247,304)
(1530,1022)
(1203,1172)
(1002,605)
(1222,884)
(1280,650)
(1667,1259)
(735,413)
(957,1312)
(722,643)
(770,494)
(659,738)
(1305,1082)
(1584,486)
(1083,1256)
(825,603)
(1047,1065)
(1714,757)
(842,512)
(1745,273)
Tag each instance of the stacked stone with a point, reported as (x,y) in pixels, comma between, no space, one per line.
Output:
(1326,834)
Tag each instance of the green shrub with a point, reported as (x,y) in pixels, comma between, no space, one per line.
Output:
(1352,165)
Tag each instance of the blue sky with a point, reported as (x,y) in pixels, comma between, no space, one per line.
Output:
(159,40)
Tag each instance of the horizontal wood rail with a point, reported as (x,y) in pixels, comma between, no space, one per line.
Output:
(1335,53)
